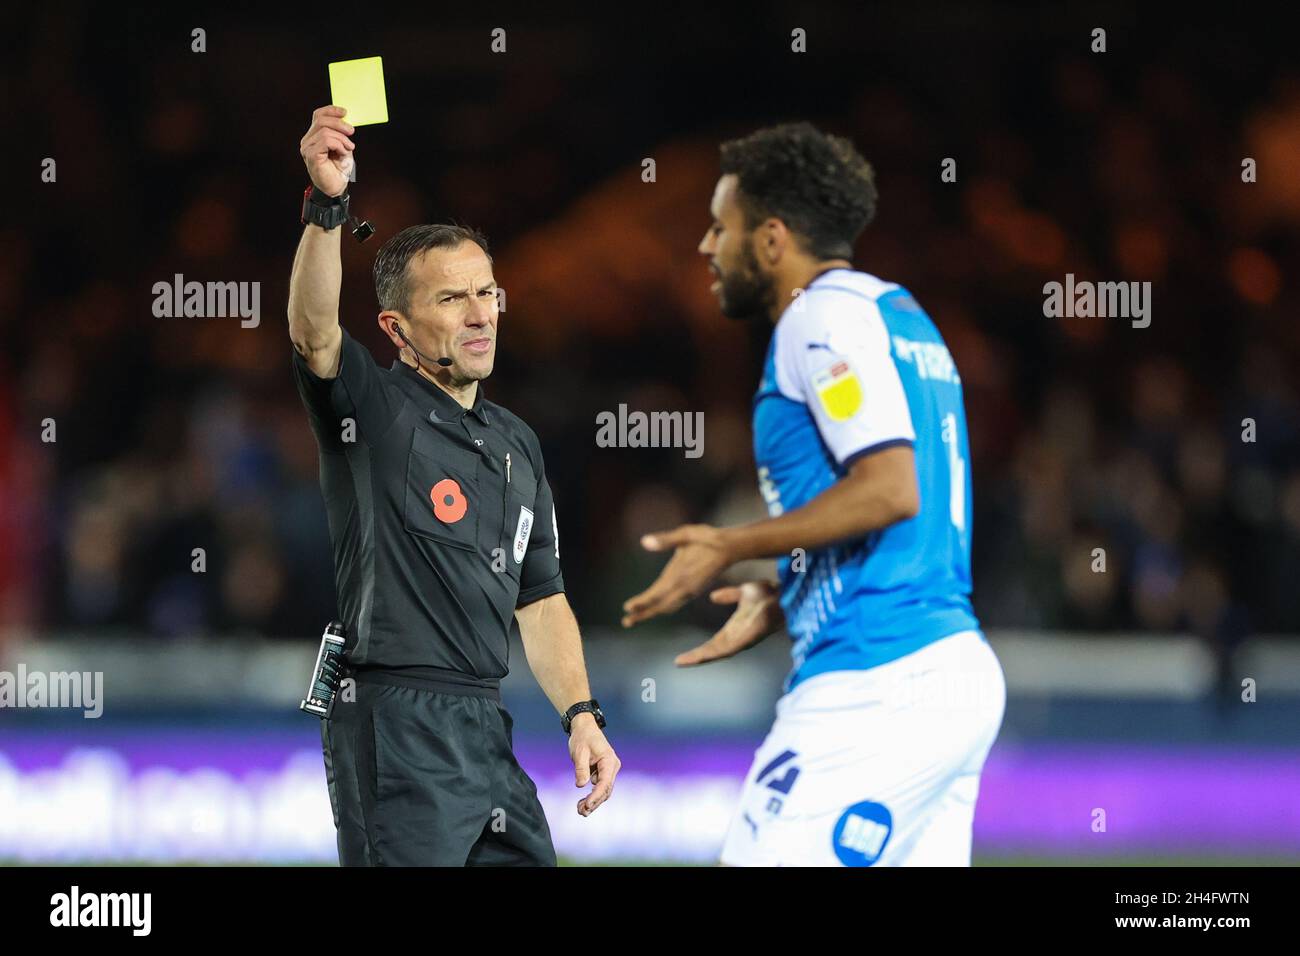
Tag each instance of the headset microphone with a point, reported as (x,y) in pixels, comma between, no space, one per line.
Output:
(445,362)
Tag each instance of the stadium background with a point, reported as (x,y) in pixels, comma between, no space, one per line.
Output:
(182,433)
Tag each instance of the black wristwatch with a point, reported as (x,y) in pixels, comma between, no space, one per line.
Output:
(582,707)
(328,212)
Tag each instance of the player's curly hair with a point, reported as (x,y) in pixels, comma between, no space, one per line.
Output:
(817,184)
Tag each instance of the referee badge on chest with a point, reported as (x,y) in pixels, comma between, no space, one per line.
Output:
(523,531)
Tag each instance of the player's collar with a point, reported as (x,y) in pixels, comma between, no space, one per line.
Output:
(826,272)
(808,288)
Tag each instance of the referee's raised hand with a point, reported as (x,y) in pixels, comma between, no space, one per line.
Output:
(327,150)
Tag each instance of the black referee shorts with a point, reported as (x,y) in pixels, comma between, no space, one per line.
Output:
(419,777)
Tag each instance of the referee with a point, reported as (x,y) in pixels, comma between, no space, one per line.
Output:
(443,531)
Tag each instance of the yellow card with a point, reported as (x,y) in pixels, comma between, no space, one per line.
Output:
(358,87)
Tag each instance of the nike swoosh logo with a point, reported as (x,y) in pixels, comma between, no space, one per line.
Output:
(433,417)
(819,345)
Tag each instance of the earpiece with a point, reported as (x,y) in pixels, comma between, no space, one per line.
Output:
(445,362)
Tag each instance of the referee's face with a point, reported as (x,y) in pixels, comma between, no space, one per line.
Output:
(453,305)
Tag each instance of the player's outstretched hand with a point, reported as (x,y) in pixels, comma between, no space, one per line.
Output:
(701,555)
(758,613)
(327,150)
(594,762)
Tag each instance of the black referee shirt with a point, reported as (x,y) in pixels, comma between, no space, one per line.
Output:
(441,518)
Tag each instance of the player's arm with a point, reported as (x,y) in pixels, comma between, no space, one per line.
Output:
(879,490)
(553,647)
(844,373)
(317,276)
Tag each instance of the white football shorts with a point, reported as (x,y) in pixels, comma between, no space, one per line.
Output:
(877,767)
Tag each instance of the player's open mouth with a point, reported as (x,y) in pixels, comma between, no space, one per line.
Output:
(478,346)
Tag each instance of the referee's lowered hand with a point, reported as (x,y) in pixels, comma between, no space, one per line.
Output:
(594,762)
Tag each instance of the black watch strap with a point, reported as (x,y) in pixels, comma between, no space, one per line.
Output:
(328,212)
(582,707)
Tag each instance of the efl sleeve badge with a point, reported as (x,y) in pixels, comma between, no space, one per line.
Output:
(839,390)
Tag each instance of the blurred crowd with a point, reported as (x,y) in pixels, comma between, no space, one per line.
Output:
(178,496)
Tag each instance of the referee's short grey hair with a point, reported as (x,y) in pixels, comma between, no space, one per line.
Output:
(391,285)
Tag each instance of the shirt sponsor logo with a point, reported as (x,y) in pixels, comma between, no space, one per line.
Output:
(861,833)
(770,492)
(523,532)
(839,390)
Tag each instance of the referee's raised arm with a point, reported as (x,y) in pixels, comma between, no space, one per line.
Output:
(317,276)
